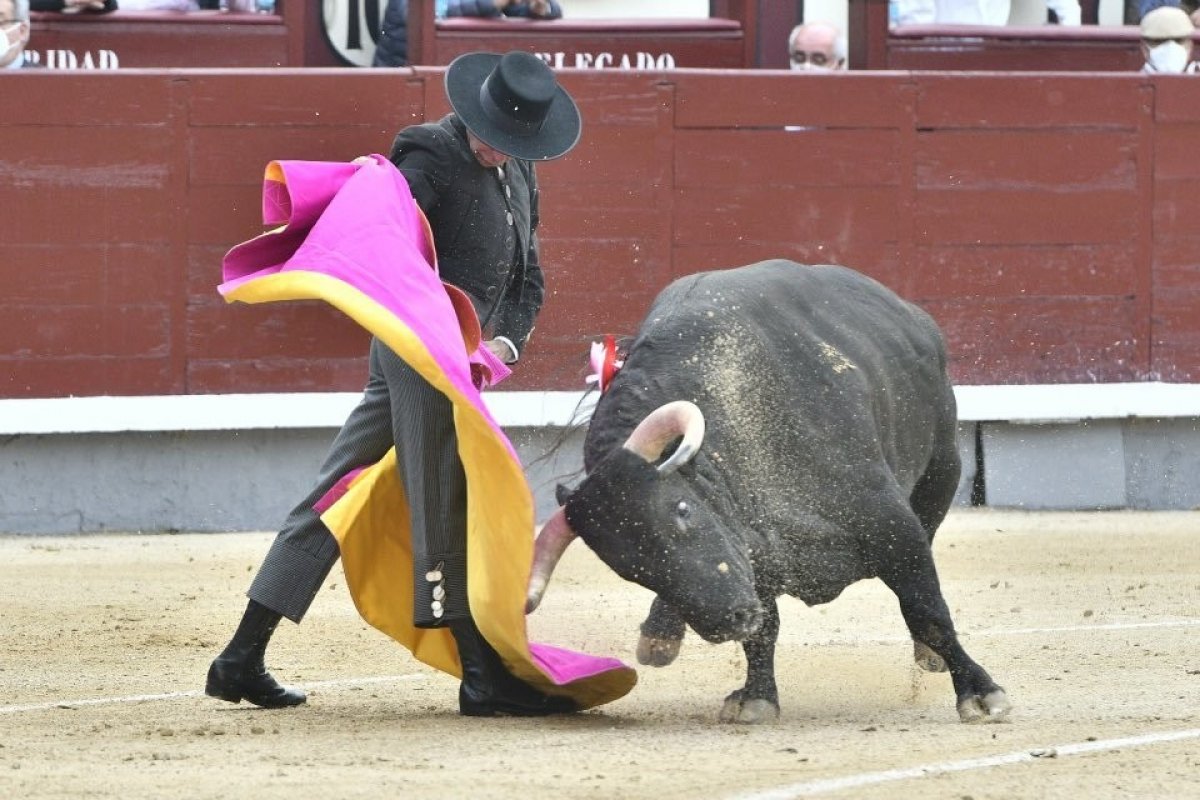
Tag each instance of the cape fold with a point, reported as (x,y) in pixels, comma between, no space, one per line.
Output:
(352,236)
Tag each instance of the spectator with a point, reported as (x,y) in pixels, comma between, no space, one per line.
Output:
(472,173)
(14,28)
(1144,7)
(530,9)
(392,48)
(817,47)
(911,12)
(996,12)
(73,6)
(1167,40)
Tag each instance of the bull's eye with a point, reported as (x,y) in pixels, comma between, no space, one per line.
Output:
(683,510)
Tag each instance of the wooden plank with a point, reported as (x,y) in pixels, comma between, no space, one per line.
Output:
(579,265)
(1175,337)
(879,260)
(224,215)
(115,158)
(1029,217)
(204,274)
(1028,101)
(750,99)
(1175,151)
(100,329)
(609,155)
(296,329)
(85,100)
(278,374)
(1065,160)
(624,99)
(1175,100)
(773,157)
(66,376)
(1041,340)
(833,215)
(239,155)
(976,271)
(1174,209)
(386,99)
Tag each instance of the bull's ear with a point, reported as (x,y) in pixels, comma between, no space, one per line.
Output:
(562,494)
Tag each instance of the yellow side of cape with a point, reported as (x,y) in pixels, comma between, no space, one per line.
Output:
(371,521)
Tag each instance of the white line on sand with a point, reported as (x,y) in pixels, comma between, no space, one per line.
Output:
(968,634)
(148,698)
(827,785)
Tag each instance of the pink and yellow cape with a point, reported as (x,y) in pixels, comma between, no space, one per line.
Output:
(352,235)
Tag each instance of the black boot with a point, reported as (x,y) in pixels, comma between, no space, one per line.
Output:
(488,689)
(239,672)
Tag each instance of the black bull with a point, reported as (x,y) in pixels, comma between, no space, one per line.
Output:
(815,428)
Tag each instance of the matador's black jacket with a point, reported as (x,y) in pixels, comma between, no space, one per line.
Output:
(484,223)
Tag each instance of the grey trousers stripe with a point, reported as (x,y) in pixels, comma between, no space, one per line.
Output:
(398,407)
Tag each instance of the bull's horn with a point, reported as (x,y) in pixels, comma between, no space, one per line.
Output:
(551,544)
(677,418)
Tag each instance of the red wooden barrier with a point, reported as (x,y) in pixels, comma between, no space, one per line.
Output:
(1043,219)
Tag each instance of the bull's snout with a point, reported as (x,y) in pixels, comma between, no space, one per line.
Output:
(736,625)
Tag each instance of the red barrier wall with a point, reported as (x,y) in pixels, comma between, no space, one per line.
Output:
(1042,219)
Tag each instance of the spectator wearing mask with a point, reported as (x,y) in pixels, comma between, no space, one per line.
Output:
(14,34)
(817,47)
(1167,41)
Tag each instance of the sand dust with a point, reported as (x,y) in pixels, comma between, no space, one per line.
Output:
(1091,622)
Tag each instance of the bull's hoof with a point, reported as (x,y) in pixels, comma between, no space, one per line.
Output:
(752,711)
(653,652)
(927,659)
(992,707)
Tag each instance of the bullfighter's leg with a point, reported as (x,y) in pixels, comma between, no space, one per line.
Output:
(662,635)
(758,700)
(931,499)
(299,560)
(911,574)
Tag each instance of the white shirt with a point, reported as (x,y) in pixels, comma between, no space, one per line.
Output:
(996,12)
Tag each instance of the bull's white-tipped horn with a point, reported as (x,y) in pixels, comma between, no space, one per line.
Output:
(551,543)
(677,418)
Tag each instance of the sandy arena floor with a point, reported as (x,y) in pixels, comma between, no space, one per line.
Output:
(1090,621)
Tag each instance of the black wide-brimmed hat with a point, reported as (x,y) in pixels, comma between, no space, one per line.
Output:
(514,104)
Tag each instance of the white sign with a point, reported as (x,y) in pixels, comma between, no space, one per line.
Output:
(638,60)
(352,27)
(70,59)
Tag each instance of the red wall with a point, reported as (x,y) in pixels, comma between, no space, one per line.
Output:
(1044,220)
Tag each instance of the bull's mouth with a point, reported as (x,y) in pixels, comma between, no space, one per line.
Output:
(738,624)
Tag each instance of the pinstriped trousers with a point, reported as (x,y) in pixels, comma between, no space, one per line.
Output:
(398,407)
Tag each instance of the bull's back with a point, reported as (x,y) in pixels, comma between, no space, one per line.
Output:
(796,367)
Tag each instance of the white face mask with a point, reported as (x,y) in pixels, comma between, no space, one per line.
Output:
(808,66)
(7,44)
(1168,57)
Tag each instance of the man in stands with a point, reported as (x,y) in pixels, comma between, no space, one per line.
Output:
(14,34)
(817,47)
(1167,40)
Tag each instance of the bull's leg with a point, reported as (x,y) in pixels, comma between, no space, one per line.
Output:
(662,635)
(911,574)
(931,499)
(758,700)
